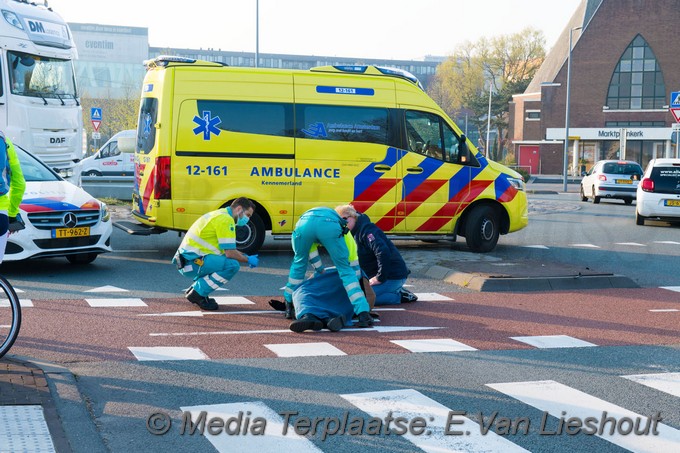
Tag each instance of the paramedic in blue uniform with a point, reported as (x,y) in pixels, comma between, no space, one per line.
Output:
(12,186)
(324,226)
(378,258)
(208,252)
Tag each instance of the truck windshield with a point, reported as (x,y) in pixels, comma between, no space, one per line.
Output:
(36,76)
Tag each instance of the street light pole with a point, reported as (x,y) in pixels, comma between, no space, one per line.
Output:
(257,33)
(488,121)
(566,114)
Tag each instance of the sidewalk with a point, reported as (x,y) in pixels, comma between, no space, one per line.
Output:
(23,388)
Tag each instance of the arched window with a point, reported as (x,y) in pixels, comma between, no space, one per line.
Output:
(637,82)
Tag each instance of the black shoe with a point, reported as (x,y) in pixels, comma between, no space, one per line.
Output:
(277,305)
(204,303)
(407,296)
(365,320)
(290,310)
(307,322)
(335,324)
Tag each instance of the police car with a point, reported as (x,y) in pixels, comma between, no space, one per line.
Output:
(62,220)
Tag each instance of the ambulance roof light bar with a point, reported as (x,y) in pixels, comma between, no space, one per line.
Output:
(370,70)
(162,61)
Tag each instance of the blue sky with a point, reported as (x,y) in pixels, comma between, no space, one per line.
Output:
(394,29)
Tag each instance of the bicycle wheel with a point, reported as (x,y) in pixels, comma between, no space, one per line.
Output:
(10,316)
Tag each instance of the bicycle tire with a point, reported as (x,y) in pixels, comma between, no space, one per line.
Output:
(14,316)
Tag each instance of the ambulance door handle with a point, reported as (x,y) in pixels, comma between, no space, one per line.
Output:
(382,168)
(414,170)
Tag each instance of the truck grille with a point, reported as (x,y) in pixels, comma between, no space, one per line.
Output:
(55,219)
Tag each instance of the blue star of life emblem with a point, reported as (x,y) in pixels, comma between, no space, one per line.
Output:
(147,125)
(207,125)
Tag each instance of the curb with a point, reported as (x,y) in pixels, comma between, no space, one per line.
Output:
(483,283)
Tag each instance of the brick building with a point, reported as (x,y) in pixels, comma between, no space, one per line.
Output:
(624,65)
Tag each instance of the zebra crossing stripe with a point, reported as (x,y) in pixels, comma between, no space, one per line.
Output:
(250,415)
(409,403)
(564,402)
(664,382)
(304,349)
(111,303)
(553,341)
(23,303)
(433,345)
(167,353)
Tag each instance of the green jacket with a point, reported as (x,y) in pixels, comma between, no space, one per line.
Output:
(12,183)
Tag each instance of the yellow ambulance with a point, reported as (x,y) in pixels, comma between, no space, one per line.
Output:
(291,140)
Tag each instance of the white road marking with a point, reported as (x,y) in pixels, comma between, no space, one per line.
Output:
(199,314)
(564,402)
(23,428)
(409,404)
(667,242)
(536,247)
(664,310)
(107,289)
(431,297)
(109,303)
(23,303)
(304,349)
(233,300)
(592,246)
(632,244)
(553,341)
(671,288)
(270,423)
(167,353)
(664,382)
(433,345)
(379,329)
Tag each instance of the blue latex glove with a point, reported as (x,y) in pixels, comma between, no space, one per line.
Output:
(253,261)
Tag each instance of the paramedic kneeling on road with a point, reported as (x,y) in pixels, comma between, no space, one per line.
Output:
(324,226)
(379,258)
(208,252)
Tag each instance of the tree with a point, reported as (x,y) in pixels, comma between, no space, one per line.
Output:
(505,63)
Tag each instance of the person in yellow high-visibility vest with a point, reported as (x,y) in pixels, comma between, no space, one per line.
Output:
(208,252)
(12,187)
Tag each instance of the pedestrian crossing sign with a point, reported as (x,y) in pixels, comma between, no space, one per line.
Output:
(675,99)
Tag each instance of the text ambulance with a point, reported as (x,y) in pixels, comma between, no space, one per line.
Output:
(292,140)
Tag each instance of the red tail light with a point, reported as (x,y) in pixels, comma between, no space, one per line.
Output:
(162,185)
(647,185)
(602,178)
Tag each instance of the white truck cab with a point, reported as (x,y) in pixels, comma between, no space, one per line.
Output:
(115,158)
(39,106)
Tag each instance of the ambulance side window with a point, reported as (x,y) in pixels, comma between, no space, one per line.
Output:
(146,129)
(456,149)
(424,133)
(343,123)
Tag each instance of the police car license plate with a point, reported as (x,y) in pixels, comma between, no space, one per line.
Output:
(71,232)
(671,202)
(624,181)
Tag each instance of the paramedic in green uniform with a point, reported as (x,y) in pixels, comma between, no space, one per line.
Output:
(12,186)
(324,226)
(208,252)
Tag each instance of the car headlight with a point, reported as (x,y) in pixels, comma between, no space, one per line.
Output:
(517,184)
(104,210)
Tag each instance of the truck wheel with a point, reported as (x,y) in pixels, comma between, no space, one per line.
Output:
(93,173)
(81,258)
(250,238)
(482,229)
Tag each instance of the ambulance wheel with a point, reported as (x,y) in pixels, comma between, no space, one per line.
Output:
(81,258)
(93,173)
(482,229)
(250,238)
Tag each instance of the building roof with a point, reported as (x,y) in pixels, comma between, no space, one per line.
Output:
(557,56)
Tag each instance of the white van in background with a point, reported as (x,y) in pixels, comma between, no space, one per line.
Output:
(115,158)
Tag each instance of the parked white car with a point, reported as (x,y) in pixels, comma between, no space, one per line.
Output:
(658,195)
(61,219)
(112,159)
(611,179)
